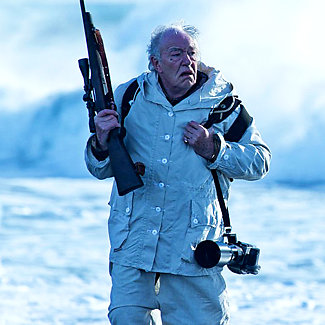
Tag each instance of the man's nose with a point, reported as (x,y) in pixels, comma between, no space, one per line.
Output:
(186,59)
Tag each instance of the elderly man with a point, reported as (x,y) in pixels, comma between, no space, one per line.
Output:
(154,230)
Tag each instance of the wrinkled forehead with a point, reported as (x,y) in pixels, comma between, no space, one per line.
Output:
(177,39)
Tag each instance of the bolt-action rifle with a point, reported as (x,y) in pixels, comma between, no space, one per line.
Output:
(99,96)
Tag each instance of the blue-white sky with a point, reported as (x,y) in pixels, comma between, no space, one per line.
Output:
(271,50)
(262,45)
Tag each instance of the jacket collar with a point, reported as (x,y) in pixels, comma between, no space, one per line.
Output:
(209,95)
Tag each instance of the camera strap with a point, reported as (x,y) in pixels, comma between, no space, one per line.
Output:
(234,134)
(222,204)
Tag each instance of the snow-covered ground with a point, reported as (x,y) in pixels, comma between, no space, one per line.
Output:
(54,248)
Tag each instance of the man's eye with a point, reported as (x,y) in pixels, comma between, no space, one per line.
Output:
(178,53)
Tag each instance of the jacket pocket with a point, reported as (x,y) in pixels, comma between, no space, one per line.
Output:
(119,220)
(205,223)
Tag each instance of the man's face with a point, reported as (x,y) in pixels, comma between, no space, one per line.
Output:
(177,66)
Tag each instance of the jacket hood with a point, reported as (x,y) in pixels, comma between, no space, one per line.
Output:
(213,91)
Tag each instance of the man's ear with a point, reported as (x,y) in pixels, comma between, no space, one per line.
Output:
(155,63)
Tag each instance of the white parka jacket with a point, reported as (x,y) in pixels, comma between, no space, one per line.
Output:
(157,227)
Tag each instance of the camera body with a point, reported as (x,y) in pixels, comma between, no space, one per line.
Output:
(240,258)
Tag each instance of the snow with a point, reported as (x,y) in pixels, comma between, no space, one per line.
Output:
(54,248)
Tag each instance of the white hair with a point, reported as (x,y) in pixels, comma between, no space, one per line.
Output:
(153,48)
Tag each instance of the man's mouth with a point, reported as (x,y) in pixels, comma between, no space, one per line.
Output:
(186,74)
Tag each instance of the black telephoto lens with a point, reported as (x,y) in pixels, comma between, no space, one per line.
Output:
(207,254)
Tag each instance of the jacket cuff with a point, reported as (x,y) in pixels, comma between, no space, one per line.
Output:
(99,154)
(91,158)
(220,145)
(216,142)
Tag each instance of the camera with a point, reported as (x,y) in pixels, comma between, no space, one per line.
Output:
(240,258)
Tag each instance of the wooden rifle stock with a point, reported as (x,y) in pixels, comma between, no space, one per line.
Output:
(124,171)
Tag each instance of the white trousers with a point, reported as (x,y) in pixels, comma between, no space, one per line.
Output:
(182,300)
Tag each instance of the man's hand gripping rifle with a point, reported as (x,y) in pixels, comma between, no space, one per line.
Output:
(99,96)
